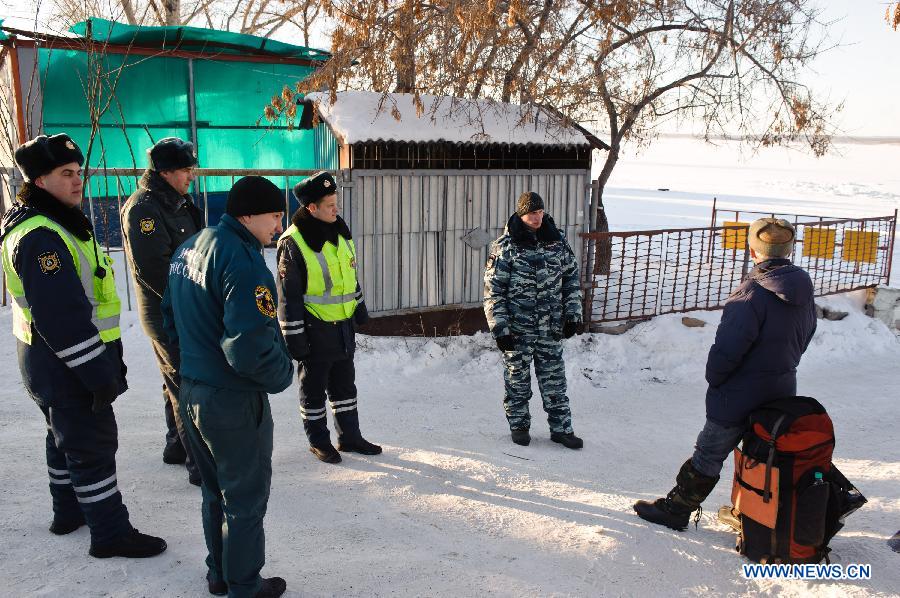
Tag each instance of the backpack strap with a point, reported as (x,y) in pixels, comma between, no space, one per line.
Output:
(767,490)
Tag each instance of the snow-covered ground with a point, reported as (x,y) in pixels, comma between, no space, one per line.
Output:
(452,507)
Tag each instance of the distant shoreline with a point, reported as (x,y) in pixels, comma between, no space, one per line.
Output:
(849,139)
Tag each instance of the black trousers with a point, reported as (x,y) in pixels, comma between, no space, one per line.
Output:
(337,381)
(169,361)
(81,463)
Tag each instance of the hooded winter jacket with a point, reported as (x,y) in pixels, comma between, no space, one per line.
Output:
(767,324)
(531,284)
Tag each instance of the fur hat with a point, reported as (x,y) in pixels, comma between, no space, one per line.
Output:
(315,188)
(254,195)
(171,153)
(529,202)
(43,154)
(772,237)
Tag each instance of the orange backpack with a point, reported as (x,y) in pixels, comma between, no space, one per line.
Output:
(789,497)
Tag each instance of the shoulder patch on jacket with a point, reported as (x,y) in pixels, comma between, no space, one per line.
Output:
(264,302)
(49,262)
(148,225)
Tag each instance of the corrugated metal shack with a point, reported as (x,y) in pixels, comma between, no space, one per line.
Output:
(426,186)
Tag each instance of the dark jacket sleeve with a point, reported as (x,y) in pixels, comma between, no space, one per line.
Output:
(497,274)
(61,313)
(737,331)
(571,286)
(291,283)
(252,342)
(361,315)
(168,318)
(150,251)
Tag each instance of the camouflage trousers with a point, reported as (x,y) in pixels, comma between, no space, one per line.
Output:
(551,375)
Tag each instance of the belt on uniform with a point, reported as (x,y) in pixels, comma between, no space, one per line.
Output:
(334,322)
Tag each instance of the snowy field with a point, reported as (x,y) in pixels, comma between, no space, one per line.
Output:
(452,507)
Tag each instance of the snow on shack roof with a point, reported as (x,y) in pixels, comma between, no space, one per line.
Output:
(359,116)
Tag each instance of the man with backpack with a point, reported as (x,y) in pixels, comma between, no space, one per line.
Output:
(766,326)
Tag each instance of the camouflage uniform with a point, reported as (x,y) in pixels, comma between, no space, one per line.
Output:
(531,288)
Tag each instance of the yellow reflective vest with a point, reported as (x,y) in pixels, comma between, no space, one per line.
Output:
(330,278)
(100,292)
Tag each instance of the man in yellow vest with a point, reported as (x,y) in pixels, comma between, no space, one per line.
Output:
(319,306)
(66,319)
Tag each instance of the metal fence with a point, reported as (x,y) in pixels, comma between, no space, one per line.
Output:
(640,274)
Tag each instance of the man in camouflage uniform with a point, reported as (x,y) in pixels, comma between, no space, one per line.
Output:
(532,300)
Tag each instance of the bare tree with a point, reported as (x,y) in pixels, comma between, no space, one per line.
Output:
(257,17)
(893,15)
(726,67)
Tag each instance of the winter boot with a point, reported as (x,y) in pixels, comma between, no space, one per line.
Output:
(674,511)
(133,545)
(325,453)
(61,527)
(359,445)
(174,454)
(194,478)
(567,440)
(520,437)
(272,587)
(216,588)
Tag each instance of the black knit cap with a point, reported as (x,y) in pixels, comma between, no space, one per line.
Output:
(529,202)
(315,188)
(42,154)
(171,153)
(254,195)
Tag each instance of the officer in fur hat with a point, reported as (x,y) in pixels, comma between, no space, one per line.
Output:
(766,326)
(319,305)
(532,300)
(219,308)
(66,319)
(157,218)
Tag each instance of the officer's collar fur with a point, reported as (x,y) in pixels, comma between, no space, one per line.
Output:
(315,232)
(71,219)
(522,235)
(152,181)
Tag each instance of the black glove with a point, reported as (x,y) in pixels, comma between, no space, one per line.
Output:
(507,342)
(104,397)
(361,315)
(570,328)
(298,346)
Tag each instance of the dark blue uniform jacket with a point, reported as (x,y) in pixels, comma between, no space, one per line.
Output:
(766,326)
(220,306)
(61,315)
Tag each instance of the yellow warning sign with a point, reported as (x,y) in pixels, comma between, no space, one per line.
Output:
(860,246)
(735,238)
(818,242)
